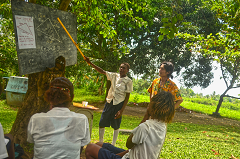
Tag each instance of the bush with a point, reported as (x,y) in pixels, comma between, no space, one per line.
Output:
(135,98)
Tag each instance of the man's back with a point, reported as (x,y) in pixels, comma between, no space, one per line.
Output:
(149,138)
(59,133)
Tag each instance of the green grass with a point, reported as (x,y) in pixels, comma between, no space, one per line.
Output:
(83,95)
(183,140)
(137,98)
(209,109)
(7,116)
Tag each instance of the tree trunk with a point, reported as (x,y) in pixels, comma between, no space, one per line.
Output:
(1,88)
(101,88)
(220,101)
(64,4)
(34,101)
(219,104)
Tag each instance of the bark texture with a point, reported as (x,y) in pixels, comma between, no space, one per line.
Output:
(34,102)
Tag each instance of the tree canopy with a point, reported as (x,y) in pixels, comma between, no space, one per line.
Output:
(222,46)
(143,34)
(148,52)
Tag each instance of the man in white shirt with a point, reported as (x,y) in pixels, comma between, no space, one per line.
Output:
(3,149)
(117,99)
(6,145)
(59,133)
(147,139)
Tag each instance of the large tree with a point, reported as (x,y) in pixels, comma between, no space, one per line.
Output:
(224,45)
(140,45)
(34,102)
(107,38)
(150,47)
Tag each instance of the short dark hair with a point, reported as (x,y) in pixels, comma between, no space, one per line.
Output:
(60,92)
(163,106)
(168,67)
(126,64)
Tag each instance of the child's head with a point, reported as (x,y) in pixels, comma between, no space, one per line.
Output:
(127,65)
(60,92)
(123,69)
(168,67)
(161,107)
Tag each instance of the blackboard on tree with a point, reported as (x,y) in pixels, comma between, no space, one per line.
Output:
(40,38)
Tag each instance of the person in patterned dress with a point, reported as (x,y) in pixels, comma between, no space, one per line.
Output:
(164,84)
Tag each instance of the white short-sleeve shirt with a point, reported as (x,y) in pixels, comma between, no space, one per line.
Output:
(59,133)
(149,138)
(119,87)
(3,150)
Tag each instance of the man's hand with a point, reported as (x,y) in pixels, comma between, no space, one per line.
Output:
(118,114)
(87,59)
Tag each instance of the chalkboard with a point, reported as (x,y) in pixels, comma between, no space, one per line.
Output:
(40,38)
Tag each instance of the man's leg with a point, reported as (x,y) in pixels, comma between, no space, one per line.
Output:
(115,123)
(105,119)
(101,133)
(91,151)
(115,136)
(110,147)
(94,151)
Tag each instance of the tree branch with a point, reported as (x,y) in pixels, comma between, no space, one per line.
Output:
(232,97)
(236,87)
(223,73)
(32,1)
(64,5)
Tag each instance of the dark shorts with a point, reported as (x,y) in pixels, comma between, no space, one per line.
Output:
(8,144)
(109,151)
(112,148)
(108,115)
(105,154)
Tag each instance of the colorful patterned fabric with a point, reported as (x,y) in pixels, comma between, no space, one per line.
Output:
(169,86)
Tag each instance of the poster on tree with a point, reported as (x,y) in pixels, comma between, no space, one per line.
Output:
(26,33)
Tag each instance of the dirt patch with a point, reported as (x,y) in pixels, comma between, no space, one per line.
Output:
(182,115)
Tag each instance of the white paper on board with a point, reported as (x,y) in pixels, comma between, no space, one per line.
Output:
(25,32)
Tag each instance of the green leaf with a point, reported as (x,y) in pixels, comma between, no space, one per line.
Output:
(160,37)
(193,1)
(180,17)
(162,30)
(164,19)
(171,34)
(166,31)
(174,20)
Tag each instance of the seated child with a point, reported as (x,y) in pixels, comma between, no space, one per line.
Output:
(6,145)
(147,139)
(58,133)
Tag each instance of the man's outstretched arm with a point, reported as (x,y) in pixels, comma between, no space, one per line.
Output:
(100,70)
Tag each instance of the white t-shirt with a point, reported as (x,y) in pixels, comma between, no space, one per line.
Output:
(149,138)
(3,149)
(119,87)
(59,133)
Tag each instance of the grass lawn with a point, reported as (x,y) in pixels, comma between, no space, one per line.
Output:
(7,116)
(183,140)
(209,109)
